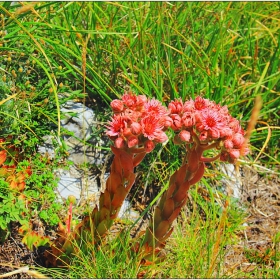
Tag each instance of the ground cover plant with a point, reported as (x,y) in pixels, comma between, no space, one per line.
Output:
(93,52)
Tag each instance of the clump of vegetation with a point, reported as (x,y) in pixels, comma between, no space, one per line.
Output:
(92,52)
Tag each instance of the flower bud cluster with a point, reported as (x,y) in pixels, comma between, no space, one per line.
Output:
(141,121)
(210,122)
(137,121)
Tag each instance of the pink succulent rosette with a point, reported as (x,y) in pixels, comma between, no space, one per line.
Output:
(211,124)
(137,122)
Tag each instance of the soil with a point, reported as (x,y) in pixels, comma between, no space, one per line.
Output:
(14,254)
(261,198)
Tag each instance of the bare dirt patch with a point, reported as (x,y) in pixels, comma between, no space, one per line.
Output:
(257,249)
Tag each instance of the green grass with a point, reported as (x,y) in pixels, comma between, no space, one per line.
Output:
(229,52)
(202,238)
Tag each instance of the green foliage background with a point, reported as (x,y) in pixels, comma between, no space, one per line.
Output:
(51,52)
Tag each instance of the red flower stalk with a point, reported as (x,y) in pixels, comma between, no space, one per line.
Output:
(136,127)
(200,125)
(71,200)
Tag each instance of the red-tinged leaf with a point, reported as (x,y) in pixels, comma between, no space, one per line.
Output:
(135,247)
(162,229)
(181,174)
(20,177)
(104,213)
(145,262)
(141,274)
(116,165)
(167,235)
(180,204)
(127,165)
(21,186)
(147,247)
(171,189)
(148,238)
(106,198)
(61,228)
(127,168)
(172,179)
(25,228)
(125,158)
(131,180)
(116,151)
(193,161)
(95,210)
(101,199)
(182,192)
(13,185)
(34,239)
(162,200)
(114,213)
(102,228)
(198,175)
(28,170)
(153,255)
(3,157)
(41,241)
(180,195)
(157,216)
(3,171)
(174,215)
(135,150)
(119,197)
(28,240)
(113,181)
(168,208)
(138,158)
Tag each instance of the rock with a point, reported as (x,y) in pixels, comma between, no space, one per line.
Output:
(47,147)
(231,180)
(80,126)
(82,121)
(77,127)
(127,212)
(75,182)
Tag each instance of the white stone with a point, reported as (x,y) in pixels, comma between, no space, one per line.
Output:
(75,181)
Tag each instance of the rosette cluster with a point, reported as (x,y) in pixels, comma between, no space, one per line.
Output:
(209,122)
(137,121)
(140,121)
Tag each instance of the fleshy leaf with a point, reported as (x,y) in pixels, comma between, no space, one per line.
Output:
(181,174)
(157,216)
(106,199)
(193,161)
(113,182)
(168,208)
(182,192)
(171,189)
(3,157)
(198,175)
(162,229)
(102,227)
(174,215)
(138,158)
